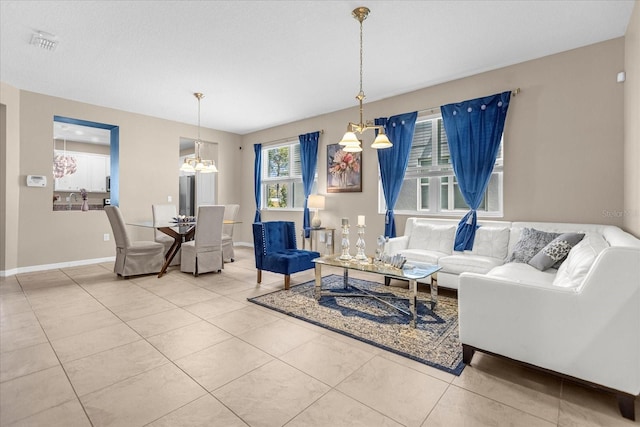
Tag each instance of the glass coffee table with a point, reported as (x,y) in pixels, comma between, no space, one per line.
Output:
(412,274)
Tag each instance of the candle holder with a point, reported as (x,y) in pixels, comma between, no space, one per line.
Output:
(360,244)
(345,242)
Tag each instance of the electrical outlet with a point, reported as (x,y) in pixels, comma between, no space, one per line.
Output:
(169,199)
(322,237)
(106,237)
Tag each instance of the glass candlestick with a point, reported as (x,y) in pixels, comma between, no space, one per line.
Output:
(345,241)
(360,245)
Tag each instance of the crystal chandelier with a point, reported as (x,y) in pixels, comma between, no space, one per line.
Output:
(198,164)
(63,164)
(350,141)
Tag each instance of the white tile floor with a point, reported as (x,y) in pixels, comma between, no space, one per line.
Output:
(80,347)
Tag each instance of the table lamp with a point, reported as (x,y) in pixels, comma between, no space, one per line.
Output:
(316,201)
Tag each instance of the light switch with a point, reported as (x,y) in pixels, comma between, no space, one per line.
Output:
(169,199)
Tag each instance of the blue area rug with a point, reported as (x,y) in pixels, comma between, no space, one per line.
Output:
(433,342)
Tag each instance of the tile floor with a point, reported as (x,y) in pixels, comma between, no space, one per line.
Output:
(80,347)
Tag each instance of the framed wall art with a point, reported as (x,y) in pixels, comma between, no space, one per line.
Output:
(344,170)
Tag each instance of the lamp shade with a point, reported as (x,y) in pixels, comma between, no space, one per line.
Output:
(349,138)
(352,148)
(381,141)
(316,201)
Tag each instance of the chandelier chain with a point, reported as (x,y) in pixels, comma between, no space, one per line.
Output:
(361,50)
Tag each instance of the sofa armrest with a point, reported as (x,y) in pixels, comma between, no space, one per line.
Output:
(396,244)
(591,333)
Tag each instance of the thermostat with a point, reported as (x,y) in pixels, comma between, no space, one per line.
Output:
(36,181)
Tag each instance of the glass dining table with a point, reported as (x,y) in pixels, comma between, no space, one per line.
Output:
(181,232)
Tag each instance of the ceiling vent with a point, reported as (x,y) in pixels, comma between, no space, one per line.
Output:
(44,40)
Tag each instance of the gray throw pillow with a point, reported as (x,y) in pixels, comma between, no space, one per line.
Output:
(555,252)
(530,243)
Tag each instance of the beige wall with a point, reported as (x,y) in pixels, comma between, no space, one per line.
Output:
(148,174)
(632,124)
(564,149)
(563,141)
(9,183)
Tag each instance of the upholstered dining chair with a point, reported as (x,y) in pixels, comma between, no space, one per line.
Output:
(164,213)
(133,258)
(276,250)
(230,214)
(203,254)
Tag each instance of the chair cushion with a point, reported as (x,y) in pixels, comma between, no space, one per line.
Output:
(145,247)
(289,261)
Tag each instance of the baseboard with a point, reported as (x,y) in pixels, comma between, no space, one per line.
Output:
(245,244)
(44,267)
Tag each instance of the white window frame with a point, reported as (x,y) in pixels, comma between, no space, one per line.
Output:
(434,174)
(291,180)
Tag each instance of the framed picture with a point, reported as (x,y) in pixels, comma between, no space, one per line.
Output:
(344,170)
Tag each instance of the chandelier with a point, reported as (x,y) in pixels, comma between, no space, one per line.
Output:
(350,141)
(198,164)
(63,164)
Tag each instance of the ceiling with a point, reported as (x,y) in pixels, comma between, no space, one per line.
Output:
(265,63)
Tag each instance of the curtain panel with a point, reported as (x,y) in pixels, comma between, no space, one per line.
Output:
(257,180)
(309,161)
(393,162)
(474,129)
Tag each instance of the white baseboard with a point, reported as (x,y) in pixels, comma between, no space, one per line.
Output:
(245,244)
(44,267)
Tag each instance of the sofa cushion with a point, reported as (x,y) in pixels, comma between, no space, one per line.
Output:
(421,255)
(461,263)
(524,273)
(491,242)
(530,243)
(432,237)
(579,261)
(555,252)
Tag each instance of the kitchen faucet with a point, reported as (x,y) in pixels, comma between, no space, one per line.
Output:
(75,198)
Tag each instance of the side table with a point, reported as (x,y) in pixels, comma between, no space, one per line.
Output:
(320,235)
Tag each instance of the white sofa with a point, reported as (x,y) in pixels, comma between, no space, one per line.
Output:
(581,321)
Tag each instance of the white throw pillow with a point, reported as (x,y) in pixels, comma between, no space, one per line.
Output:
(491,241)
(432,237)
(579,261)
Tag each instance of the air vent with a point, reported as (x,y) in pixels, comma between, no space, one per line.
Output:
(44,40)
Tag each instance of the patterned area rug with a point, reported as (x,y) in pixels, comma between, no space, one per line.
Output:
(433,342)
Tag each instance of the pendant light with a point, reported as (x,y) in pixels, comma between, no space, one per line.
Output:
(197,164)
(350,141)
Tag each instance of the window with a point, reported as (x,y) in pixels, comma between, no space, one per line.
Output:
(430,186)
(282,177)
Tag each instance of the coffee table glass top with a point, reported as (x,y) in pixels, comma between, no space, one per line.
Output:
(408,272)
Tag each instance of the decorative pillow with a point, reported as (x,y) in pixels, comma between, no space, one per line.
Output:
(555,252)
(530,243)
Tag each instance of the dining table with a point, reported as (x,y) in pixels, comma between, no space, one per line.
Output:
(180,231)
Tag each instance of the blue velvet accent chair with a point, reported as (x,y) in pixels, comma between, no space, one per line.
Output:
(276,250)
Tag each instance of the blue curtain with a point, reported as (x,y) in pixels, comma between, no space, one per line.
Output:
(309,160)
(393,162)
(257,180)
(474,129)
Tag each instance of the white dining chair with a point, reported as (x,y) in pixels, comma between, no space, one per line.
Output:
(204,253)
(165,213)
(133,258)
(230,214)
